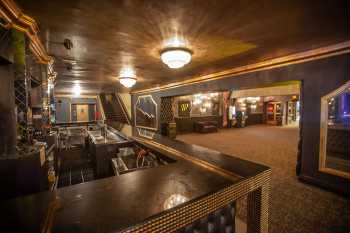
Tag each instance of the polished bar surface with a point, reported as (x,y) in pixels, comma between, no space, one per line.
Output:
(207,179)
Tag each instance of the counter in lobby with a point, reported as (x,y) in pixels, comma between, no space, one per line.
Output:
(206,181)
(111,137)
(103,147)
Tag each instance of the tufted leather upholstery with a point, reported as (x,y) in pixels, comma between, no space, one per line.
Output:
(220,221)
(338,142)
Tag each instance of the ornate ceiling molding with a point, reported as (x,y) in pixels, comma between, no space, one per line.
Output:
(310,55)
(13,17)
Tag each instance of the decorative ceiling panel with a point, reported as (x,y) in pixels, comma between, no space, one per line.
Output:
(108,35)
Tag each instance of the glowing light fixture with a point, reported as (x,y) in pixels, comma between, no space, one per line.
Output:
(76,90)
(175,55)
(176,58)
(214,94)
(127,81)
(127,77)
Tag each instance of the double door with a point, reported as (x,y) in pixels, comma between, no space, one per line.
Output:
(274,113)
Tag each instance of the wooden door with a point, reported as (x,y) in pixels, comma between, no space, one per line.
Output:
(82,112)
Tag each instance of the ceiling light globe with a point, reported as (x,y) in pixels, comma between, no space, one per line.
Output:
(176,58)
(127,81)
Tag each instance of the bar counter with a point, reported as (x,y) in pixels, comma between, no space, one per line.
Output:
(200,180)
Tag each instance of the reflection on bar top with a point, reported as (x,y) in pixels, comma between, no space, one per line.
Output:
(240,167)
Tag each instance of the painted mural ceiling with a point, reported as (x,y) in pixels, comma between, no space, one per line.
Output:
(222,34)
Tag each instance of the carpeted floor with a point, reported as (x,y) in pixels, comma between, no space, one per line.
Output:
(294,206)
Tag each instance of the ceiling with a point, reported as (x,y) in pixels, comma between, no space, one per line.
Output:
(108,35)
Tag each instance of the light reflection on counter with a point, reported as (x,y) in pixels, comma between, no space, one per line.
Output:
(174,200)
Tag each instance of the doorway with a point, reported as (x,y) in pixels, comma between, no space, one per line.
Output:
(274,113)
(82,112)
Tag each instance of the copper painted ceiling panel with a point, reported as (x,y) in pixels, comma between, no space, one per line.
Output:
(108,35)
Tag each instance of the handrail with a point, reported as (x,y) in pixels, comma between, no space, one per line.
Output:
(101,107)
(123,109)
(148,115)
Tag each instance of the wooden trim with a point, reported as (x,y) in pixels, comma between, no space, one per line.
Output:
(53,207)
(323,132)
(310,55)
(335,172)
(80,96)
(101,108)
(15,18)
(207,165)
(70,112)
(257,188)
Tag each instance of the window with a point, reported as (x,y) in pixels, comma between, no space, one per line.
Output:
(335,132)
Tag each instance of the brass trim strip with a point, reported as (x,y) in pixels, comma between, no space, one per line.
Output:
(15,18)
(310,55)
(257,187)
(50,215)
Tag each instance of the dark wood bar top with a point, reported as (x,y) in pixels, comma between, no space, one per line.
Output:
(241,168)
(118,203)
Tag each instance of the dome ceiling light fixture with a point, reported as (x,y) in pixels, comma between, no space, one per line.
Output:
(176,58)
(127,77)
(175,54)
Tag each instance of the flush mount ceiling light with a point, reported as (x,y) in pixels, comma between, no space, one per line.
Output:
(127,77)
(176,57)
(127,81)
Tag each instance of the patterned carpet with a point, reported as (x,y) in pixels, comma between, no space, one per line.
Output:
(294,206)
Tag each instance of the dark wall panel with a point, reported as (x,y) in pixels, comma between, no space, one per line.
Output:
(318,78)
(63,105)
(7,111)
(62,110)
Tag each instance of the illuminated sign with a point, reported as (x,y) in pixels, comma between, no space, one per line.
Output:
(184,108)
